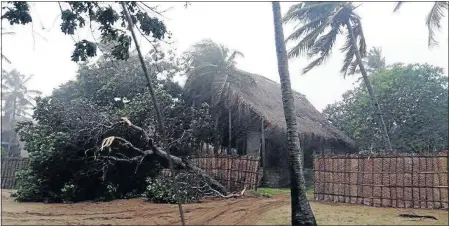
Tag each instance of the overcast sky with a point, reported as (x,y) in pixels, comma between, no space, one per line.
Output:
(247,27)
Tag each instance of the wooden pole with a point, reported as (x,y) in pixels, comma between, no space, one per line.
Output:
(216,133)
(230,129)
(264,154)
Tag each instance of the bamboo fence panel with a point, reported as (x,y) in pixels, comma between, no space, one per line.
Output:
(406,181)
(234,172)
(10,166)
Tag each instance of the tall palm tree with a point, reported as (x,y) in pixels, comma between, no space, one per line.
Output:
(17,100)
(319,25)
(301,212)
(433,19)
(208,60)
(16,97)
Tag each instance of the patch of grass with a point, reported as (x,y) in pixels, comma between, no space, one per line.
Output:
(351,214)
(269,192)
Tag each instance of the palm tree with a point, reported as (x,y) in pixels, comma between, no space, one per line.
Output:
(208,60)
(17,98)
(321,23)
(301,212)
(375,60)
(433,19)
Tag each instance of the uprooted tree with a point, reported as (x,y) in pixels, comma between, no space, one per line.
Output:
(95,136)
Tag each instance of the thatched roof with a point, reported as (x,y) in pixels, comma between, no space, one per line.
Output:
(263,96)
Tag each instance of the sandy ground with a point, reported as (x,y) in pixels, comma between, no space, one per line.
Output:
(242,211)
(138,212)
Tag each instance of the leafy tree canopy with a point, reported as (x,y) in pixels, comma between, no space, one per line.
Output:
(417,118)
(111,23)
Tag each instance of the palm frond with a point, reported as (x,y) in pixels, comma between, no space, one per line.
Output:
(308,11)
(433,20)
(323,47)
(353,68)
(308,41)
(34,92)
(325,43)
(231,58)
(313,64)
(306,28)
(5,59)
(350,53)
(398,6)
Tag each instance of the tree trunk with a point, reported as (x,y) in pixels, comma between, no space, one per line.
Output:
(201,147)
(216,133)
(370,88)
(264,154)
(301,212)
(230,130)
(12,137)
(160,120)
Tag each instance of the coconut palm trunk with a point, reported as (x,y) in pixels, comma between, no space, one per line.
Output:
(230,129)
(370,89)
(301,212)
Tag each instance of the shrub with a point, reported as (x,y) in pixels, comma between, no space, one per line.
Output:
(160,189)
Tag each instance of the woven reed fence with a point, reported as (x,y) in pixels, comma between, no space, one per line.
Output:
(408,181)
(10,166)
(234,172)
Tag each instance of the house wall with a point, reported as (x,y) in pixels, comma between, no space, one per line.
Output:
(253,143)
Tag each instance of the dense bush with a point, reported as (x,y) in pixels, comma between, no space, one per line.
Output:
(414,99)
(190,189)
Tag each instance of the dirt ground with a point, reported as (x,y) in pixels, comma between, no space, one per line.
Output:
(242,211)
(137,212)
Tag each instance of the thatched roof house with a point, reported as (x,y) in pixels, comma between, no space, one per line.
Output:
(265,98)
(259,99)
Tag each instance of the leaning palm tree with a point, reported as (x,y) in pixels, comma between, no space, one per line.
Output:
(319,25)
(301,212)
(433,19)
(210,61)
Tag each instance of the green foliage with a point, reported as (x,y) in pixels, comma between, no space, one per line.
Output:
(160,190)
(66,164)
(414,98)
(18,14)
(4,154)
(78,14)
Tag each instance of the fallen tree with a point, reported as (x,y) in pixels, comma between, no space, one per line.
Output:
(153,150)
(74,158)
